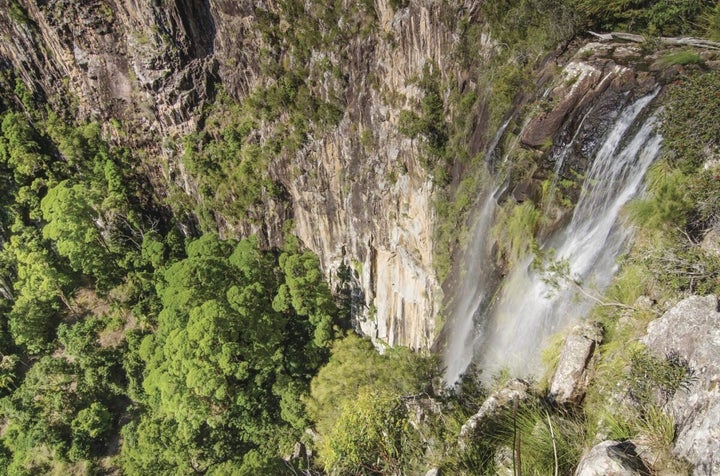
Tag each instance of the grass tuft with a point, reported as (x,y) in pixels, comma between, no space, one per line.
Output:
(680,58)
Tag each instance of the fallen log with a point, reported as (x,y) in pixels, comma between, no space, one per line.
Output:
(672,41)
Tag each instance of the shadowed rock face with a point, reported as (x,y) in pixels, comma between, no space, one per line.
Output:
(690,330)
(128,60)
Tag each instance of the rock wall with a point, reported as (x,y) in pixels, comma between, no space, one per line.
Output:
(154,65)
(372,207)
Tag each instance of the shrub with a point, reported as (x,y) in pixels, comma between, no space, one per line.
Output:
(355,365)
(651,376)
(369,437)
(668,203)
(515,230)
(712,22)
(663,17)
(690,129)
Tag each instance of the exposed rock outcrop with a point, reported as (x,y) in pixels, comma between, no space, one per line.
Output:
(421,408)
(372,207)
(691,331)
(711,242)
(594,77)
(516,390)
(612,458)
(572,376)
(149,63)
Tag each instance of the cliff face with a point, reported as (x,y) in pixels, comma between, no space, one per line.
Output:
(358,195)
(363,199)
(126,60)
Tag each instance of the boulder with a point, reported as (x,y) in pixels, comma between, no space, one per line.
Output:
(515,389)
(612,458)
(573,372)
(524,191)
(503,458)
(420,409)
(691,331)
(711,242)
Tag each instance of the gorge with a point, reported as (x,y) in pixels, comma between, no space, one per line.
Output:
(206,203)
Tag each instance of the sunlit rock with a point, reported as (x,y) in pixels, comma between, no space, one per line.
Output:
(612,458)
(691,331)
(573,372)
(514,390)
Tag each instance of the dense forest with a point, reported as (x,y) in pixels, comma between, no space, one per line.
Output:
(138,338)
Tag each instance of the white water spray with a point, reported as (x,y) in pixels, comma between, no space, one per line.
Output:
(474,291)
(475,286)
(512,330)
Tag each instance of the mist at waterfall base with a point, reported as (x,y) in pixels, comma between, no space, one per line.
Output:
(506,327)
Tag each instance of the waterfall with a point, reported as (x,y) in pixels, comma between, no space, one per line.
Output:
(474,291)
(476,280)
(509,331)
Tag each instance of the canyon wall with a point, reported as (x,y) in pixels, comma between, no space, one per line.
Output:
(358,196)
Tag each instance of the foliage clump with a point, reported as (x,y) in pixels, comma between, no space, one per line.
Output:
(235,347)
(690,132)
(431,125)
(657,18)
(684,191)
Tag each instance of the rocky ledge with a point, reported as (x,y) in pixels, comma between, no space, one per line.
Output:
(690,331)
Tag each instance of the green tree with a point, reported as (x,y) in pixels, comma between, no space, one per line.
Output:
(356,365)
(226,368)
(370,436)
(39,291)
(307,293)
(41,409)
(74,225)
(89,426)
(19,148)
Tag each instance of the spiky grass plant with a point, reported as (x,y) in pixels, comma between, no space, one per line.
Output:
(531,436)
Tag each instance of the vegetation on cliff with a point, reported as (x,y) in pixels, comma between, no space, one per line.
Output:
(135,339)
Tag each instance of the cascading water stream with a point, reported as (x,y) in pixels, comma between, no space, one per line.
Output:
(475,293)
(529,310)
(475,288)
(511,330)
